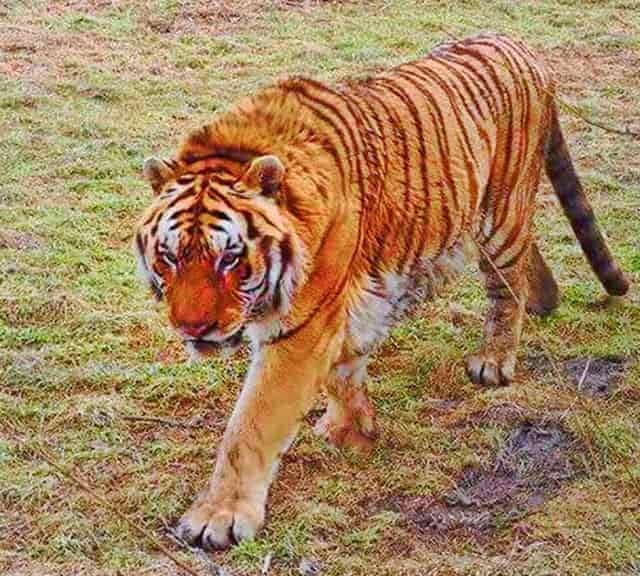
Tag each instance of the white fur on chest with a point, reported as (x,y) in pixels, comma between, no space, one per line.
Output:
(385,301)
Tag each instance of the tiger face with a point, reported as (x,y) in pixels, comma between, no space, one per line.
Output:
(215,246)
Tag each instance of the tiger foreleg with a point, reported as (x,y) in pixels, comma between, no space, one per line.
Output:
(350,419)
(494,364)
(281,387)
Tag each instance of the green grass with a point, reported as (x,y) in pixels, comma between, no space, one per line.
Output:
(87,91)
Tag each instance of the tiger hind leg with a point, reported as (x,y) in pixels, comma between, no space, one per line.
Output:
(506,286)
(544,296)
(350,419)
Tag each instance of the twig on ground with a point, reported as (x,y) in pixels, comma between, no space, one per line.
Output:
(197,422)
(584,374)
(583,377)
(158,420)
(573,109)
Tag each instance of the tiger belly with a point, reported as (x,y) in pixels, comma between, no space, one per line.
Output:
(386,299)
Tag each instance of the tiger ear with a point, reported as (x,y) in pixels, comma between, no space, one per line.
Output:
(157,172)
(264,175)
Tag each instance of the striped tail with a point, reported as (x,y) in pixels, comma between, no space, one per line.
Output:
(579,212)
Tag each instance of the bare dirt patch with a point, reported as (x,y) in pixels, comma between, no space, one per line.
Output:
(593,376)
(602,375)
(19,240)
(535,462)
(219,17)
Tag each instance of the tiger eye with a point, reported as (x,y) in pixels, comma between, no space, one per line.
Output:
(229,261)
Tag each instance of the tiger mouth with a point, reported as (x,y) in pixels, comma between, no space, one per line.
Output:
(210,346)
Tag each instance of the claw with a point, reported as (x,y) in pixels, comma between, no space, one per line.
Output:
(486,370)
(218,525)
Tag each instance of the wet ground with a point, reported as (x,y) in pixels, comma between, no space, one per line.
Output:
(601,377)
(534,463)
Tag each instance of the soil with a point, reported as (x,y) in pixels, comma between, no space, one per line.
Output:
(602,377)
(535,462)
(19,240)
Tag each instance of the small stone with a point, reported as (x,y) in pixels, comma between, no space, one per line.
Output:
(308,567)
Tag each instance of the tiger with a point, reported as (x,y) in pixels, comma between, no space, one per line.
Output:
(309,219)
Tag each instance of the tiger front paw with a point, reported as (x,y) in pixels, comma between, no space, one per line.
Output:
(216,524)
(486,369)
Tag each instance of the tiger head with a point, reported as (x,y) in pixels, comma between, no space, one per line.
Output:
(216,247)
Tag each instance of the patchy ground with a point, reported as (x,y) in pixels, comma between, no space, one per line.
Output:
(538,478)
(592,375)
(597,377)
(536,459)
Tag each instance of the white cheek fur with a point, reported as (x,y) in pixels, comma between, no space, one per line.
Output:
(142,269)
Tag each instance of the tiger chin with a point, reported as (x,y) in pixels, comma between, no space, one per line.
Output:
(310,219)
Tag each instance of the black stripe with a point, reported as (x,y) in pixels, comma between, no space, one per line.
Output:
(399,134)
(443,149)
(217,214)
(390,85)
(140,245)
(265,247)
(239,155)
(252,231)
(184,194)
(352,154)
(337,157)
(515,258)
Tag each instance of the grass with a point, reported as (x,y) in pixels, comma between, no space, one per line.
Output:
(90,88)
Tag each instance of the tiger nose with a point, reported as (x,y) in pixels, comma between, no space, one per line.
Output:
(197,330)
